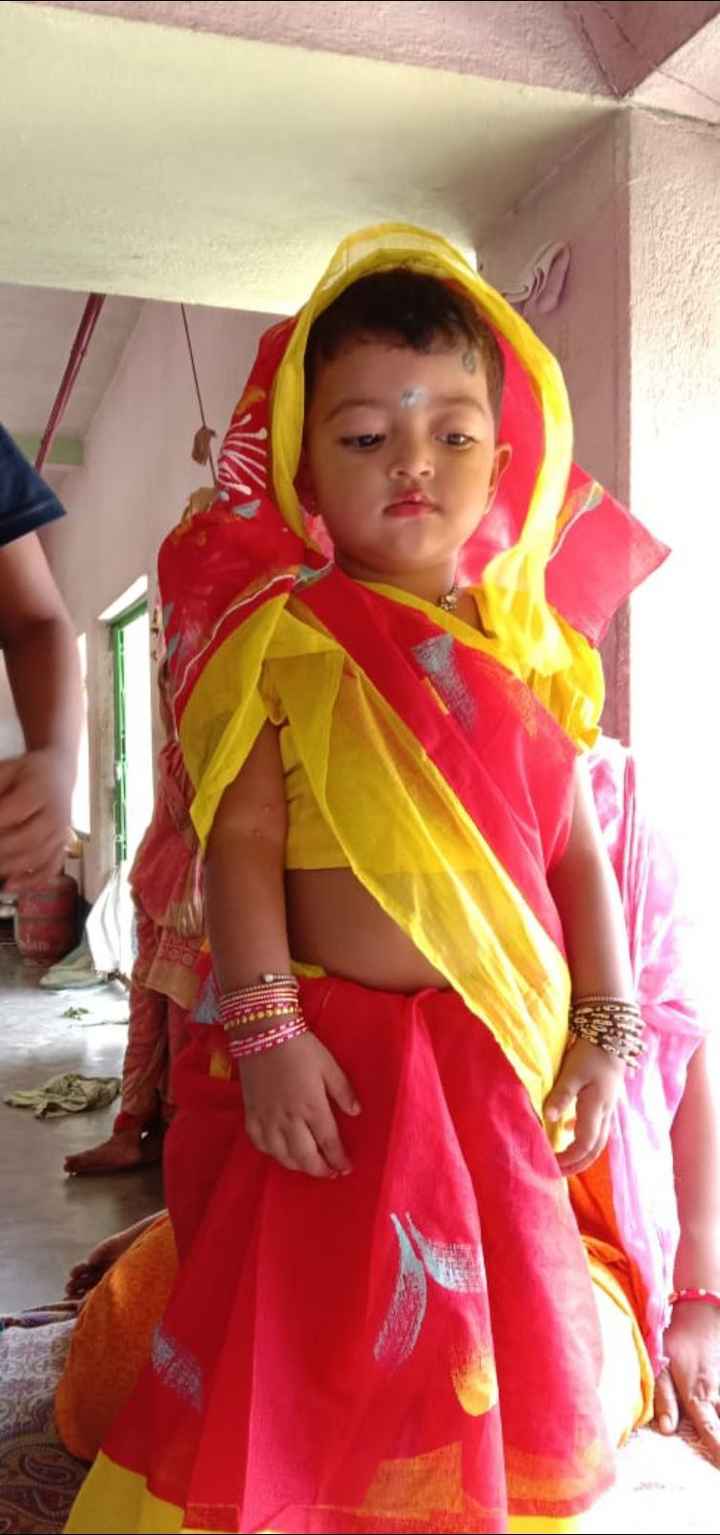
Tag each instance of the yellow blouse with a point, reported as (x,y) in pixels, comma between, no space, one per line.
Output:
(311,843)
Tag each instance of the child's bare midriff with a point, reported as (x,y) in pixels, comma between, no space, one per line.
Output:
(335,923)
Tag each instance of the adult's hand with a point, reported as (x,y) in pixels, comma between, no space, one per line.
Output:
(35,794)
(690,1386)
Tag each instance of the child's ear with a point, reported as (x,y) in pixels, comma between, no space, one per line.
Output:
(503,456)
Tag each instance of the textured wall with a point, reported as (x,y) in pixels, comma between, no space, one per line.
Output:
(137,476)
(585,203)
(629,39)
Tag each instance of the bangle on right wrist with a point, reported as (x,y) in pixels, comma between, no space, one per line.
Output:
(271,999)
(268,1039)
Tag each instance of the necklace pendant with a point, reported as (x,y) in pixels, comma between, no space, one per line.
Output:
(449,601)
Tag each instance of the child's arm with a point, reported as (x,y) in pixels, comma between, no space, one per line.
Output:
(585,892)
(692,1342)
(286,1090)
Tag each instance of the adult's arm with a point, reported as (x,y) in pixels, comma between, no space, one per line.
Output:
(43,668)
(691,1384)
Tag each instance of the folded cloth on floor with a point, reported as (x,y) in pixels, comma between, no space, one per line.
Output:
(69,1093)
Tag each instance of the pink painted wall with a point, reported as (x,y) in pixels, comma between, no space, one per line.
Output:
(137,476)
(585,204)
(629,39)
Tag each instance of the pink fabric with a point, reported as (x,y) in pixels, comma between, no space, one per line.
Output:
(640,1151)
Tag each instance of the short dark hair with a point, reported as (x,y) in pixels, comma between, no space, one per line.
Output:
(409,308)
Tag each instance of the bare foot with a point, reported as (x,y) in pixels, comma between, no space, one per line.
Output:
(121,1153)
(84,1276)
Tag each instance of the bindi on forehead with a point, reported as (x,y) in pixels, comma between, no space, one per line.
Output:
(413,397)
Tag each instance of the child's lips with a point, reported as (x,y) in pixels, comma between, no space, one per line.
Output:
(411,506)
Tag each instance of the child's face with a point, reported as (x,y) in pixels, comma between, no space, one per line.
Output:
(401,454)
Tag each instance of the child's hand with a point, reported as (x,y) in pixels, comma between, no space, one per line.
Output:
(287,1107)
(691,1385)
(593,1078)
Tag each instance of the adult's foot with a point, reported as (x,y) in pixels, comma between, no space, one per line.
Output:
(125,1150)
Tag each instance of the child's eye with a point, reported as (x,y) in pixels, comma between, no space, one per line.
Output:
(365,440)
(458,439)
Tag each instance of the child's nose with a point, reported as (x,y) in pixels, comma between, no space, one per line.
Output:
(411,460)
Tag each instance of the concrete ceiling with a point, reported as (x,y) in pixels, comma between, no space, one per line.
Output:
(215,150)
(170,163)
(593,46)
(689,83)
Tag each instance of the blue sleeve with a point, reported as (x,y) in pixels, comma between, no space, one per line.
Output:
(26,502)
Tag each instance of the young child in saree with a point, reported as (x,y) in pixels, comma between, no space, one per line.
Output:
(384,1317)
(669,1130)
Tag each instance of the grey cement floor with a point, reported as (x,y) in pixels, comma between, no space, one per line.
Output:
(47,1220)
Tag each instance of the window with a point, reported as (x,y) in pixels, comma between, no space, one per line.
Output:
(133,789)
(80,814)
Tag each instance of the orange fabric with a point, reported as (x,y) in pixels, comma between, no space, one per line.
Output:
(111,1340)
(591,1197)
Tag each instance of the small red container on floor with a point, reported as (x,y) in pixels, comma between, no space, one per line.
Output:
(46,919)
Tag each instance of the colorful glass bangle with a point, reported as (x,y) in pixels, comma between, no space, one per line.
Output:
(257,1044)
(711,1297)
(240,1017)
(250,995)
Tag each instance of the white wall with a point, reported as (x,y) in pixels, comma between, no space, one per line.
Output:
(134,484)
(675,401)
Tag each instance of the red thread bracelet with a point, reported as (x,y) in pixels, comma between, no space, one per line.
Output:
(710,1296)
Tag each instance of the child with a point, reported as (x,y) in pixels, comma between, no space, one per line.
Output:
(667,1134)
(405,1336)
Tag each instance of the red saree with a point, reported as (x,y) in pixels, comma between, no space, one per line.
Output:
(413,1347)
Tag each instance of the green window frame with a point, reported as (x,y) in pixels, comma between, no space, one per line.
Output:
(118,627)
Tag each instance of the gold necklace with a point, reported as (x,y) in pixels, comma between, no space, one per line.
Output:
(449,601)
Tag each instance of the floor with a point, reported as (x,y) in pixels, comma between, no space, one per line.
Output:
(49,1221)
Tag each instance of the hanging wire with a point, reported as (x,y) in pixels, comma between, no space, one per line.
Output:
(197,391)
